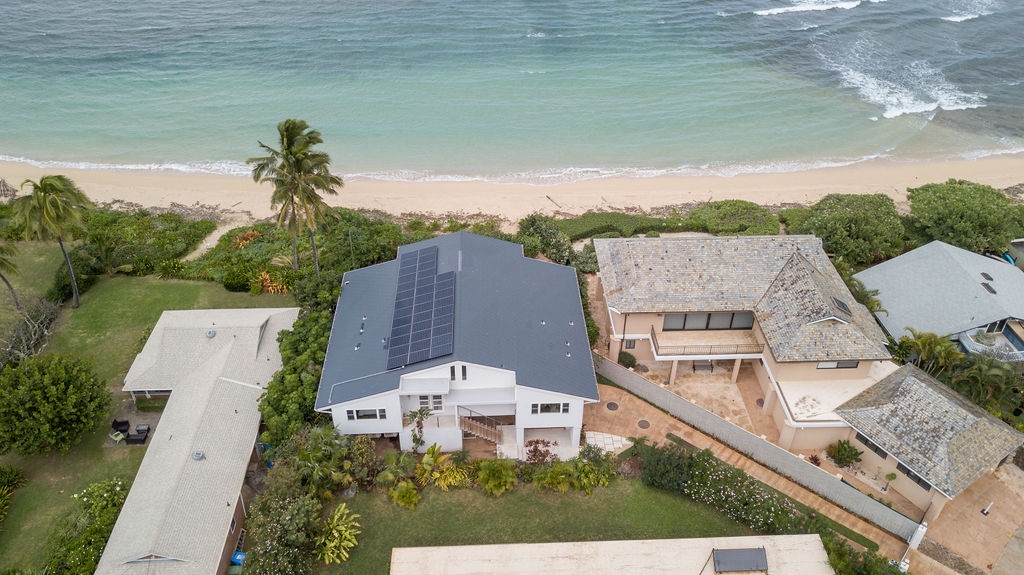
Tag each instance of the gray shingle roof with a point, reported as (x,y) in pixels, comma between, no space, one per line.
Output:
(511,312)
(788,281)
(217,364)
(937,288)
(937,433)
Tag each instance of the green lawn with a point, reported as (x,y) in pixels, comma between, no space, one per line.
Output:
(110,327)
(37,263)
(623,510)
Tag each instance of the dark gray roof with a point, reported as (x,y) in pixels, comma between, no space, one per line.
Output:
(937,433)
(788,281)
(511,312)
(938,288)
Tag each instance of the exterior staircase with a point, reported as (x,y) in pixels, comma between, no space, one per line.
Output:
(479,425)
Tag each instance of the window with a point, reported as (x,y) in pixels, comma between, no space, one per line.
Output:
(538,408)
(630,344)
(674,321)
(913,476)
(432,402)
(357,414)
(702,321)
(453,373)
(233,525)
(838,364)
(872,446)
(463,373)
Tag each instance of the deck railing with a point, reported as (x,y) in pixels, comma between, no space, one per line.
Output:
(480,425)
(705,350)
(1003,351)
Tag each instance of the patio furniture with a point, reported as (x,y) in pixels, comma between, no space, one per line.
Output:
(121,425)
(142,428)
(117,436)
(137,438)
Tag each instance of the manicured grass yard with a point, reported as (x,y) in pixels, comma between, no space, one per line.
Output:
(110,327)
(37,263)
(623,510)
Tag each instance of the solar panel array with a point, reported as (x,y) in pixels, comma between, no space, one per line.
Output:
(423,325)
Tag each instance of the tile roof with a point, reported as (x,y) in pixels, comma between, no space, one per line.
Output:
(938,434)
(511,312)
(938,288)
(788,281)
(217,364)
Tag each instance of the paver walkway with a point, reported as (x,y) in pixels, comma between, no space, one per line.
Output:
(634,417)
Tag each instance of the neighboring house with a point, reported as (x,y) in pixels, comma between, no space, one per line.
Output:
(947,290)
(939,442)
(775,303)
(488,342)
(185,510)
(775,554)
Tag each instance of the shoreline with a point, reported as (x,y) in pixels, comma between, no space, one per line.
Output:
(241,200)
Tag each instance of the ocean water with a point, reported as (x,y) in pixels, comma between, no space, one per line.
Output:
(512,90)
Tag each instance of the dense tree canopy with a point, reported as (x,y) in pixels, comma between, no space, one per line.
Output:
(860,228)
(47,402)
(972,216)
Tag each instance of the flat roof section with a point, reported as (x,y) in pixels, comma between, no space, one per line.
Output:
(784,555)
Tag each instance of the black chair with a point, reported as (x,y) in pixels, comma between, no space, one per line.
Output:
(121,425)
(137,438)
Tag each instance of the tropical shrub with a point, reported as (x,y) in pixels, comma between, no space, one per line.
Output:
(794,218)
(237,279)
(538,452)
(136,241)
(397,466)
(732,218)
(405,494)
(973,216)
(283,534)
(593,330)
(79,539)
(47,402)
(6,492)
(554,243)
(288,403)
(496,476)
(556,476)
(11,476)
(585,260)
(860,228)
(843,453)
(627,360)
(703,478)
(87,271)
(338,536)
(323,461)
(438,469)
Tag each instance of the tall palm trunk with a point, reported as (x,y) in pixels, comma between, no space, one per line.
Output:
(17,304)
(316,255)
(71,272)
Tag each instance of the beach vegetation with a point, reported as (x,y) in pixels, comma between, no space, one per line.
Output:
(793,218)
(299,174)
(732,218)
(975,217)
(52,210)
(554,243)
(860,228)
(137,242)
(592,224)
(47,403)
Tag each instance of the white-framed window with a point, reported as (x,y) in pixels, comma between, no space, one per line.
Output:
(233,525)
(539,408)
(453,373)
(359,414)
(630,344)
(838,364)
(464,373)
(432,402)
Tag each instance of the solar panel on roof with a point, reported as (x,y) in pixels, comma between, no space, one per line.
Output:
(737,560)
(422,325)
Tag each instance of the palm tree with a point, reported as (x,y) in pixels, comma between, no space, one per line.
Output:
(985,381)
(54,206)
(7,266)
(934,353)
(299,174)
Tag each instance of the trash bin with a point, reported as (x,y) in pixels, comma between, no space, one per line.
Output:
(238,558)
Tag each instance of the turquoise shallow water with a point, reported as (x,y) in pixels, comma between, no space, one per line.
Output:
(511,90)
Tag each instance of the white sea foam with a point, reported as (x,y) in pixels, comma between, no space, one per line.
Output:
(965,10)
(211,167)
(812,6)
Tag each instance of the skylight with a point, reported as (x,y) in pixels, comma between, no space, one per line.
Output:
(842,306)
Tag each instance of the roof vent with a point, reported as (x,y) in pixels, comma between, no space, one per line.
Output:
(211,333)
(198,455)
(986,276)
(988,287)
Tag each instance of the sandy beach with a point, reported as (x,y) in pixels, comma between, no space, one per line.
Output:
(245,200)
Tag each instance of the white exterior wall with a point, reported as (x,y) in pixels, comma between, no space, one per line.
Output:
(388,401)
(572,421)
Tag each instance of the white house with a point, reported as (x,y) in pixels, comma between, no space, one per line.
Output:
(491,343)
